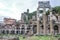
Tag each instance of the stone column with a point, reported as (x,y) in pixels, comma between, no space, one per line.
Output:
(32,30)
(51,24)
(9,31)
(5,32)
(15,30)
(44,20)
(20,29)
(59,28)
(0,31)
(25,29)
(59,24)
(51,27)
(38,27)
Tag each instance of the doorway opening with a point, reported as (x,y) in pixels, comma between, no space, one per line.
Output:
(56,29)
(34,29)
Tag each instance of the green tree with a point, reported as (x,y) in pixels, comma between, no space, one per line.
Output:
(54,10)
(57,9)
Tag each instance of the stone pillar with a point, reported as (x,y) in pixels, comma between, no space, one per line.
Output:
(20,30)
(9,31)
(59,25)
(32,29)
(25,29)
(44,20)
(59,28)
(51,27)
(51,24)
(5,32)
(0,31)
(38,27)
(15,30)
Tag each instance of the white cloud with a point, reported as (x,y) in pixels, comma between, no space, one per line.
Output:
(43,0)
(14,8)
(12,12)
(2,5)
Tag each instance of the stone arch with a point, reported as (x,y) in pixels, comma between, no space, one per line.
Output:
(18,32)
(23,29)
(55,29)
(41,29)
(7,31)
(34,29)
(12,32)
(3,31)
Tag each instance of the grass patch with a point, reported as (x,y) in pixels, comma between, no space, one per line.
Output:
(33,37)
(39,38)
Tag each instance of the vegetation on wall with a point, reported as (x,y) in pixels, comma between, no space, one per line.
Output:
(54,10)
(57,9)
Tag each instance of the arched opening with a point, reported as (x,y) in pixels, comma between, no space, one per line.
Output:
(49,29)
(22,29)
(17,32)
(7,31)
(42,28)
(34,29)
(3,32)
(12,32)
(22,32)
(55,29)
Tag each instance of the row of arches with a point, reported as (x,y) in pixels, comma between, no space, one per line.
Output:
(55,29)
(34,29)
(9,32)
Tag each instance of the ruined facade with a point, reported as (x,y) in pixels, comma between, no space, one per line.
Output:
(42,24)
(39,24)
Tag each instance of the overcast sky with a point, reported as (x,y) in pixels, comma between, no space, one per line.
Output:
(14,8)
